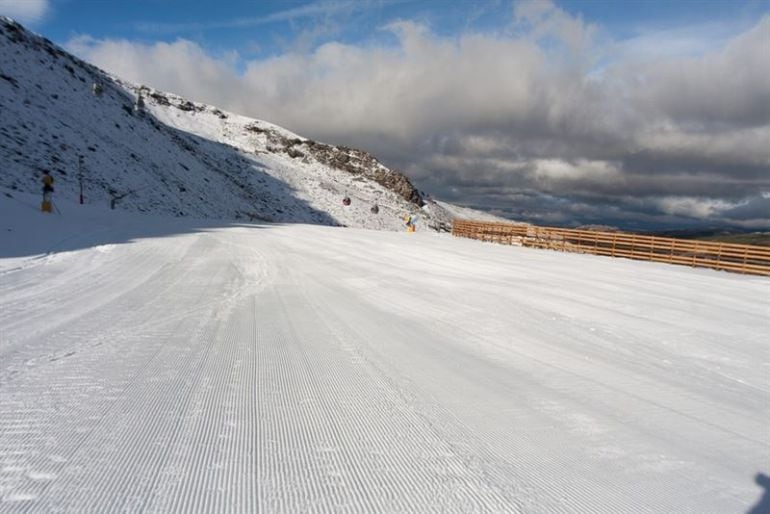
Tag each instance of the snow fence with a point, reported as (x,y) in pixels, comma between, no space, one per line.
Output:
(739,258)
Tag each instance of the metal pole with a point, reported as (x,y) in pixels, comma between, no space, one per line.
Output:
(80,177)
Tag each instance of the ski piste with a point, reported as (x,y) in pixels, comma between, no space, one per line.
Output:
(154,364)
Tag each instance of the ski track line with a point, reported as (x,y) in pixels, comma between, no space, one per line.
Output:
(515,475)
(565,392)
(136,357)
(50,253)
(98,280)
(125,286)
(164,430)
(427,409)
(306,458)
(538,320)
(290,380)
(629,383)
(209,469)
(343,385)
(579,487)
(498,495)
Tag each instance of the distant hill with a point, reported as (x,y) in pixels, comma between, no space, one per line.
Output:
(736,235)
(751,238)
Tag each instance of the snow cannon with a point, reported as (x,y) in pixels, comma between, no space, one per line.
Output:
(410,221)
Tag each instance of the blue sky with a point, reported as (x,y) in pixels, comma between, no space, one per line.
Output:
(271,27)
(631,113)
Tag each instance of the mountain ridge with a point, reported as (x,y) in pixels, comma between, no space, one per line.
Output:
(141,149)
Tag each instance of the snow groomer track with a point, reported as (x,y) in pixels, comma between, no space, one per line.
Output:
(307,369)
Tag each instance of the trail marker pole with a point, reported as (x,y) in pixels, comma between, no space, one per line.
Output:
(80,177)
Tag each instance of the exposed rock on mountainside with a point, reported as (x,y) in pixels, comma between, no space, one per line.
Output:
(355,162)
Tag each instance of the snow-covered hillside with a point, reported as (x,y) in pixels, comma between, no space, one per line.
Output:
(174,156)
(180,365)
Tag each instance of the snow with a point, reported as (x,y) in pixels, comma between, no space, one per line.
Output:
(160,364)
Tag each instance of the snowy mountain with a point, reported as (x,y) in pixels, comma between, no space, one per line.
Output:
(149,151)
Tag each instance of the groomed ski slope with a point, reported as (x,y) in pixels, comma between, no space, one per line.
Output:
(174,365)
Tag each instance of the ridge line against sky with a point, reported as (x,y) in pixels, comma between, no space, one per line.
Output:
(649,114)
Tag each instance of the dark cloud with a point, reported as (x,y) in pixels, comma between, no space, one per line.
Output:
(756,208)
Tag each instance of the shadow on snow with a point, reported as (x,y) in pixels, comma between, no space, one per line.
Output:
(242,191)
(763,505)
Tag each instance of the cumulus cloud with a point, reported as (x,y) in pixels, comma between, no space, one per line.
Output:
(693,207)
(542,19)
(517,119)
(26,11)
(753,212)
(181,67)
(703,89)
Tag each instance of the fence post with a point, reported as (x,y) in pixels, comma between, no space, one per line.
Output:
(719,256)
(745,259)
(694,254)
(671,252)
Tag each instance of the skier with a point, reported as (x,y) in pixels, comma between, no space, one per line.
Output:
(346,201)
(375,209)
(47,204)
(97,89)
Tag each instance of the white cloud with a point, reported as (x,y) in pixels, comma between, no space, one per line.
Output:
(25,11)
(728,84)
(181,67)
(693,207)
(324,9)
(548,170)
(543,19)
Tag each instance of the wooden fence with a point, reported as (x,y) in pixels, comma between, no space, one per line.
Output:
(737,258)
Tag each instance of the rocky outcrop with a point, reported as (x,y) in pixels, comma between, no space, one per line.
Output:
(351,160)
